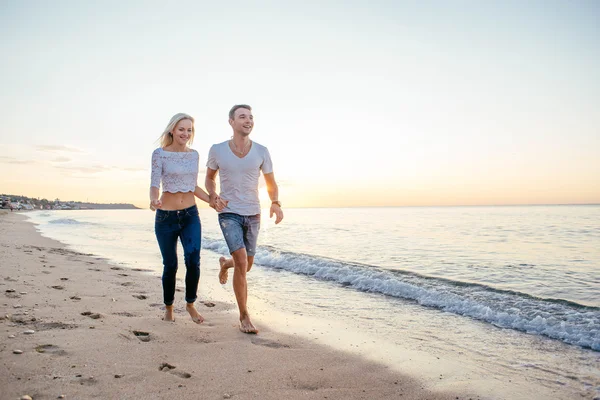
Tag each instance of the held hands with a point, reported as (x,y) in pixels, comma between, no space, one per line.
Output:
(217,202)
(276,209)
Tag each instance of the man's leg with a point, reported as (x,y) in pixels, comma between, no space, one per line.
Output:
(227,263)
(240,287)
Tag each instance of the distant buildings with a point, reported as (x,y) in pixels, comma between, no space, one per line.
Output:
(8,203)
(66,206)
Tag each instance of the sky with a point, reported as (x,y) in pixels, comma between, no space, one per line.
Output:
(361,103)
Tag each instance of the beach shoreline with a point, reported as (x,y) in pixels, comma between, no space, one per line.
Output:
(97,333)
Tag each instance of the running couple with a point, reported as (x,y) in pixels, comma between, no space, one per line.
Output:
(239,161)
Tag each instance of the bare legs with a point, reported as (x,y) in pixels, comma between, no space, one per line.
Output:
(227,263)
(196,317)
(169,316)
(241,263)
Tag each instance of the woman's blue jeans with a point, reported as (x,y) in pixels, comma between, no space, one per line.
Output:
(184,225)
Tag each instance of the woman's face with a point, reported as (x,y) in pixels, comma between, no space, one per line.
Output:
(182,132)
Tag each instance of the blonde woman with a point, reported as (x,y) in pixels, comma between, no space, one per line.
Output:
(175,165)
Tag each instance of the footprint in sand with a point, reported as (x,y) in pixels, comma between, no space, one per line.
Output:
(140,296)
(269,343)
(89,381)
(58,287)
(92,315)
(45,326)
(116,268)
(50,349)
(166,367)
(125,314)
(143,336)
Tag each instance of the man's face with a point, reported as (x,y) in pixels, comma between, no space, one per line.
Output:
(242,121)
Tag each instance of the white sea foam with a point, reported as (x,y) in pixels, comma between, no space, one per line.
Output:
(570,323)
(66,221)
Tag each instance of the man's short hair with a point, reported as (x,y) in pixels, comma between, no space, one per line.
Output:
(234,108)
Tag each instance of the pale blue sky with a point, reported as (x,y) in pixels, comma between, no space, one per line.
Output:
(425,102)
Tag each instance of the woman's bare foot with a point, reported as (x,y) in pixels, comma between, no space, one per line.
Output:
(169,316)
(246,325)
(223,274)
(196,317)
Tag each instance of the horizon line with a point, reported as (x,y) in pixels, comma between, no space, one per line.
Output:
(363,206)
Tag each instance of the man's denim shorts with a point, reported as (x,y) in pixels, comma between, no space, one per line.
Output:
(240,231)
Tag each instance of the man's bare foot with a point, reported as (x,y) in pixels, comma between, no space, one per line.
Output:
(223,274)
(246,325)
(169,316)
(196,317)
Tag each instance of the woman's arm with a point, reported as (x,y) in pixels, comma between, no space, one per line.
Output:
(156,173)
(201,194)
(154,198)
(219,203)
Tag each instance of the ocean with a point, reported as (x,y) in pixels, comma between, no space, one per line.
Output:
(515,287)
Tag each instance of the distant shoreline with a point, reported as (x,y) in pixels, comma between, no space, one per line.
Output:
(20,202)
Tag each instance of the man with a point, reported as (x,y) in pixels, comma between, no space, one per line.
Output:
(240,161)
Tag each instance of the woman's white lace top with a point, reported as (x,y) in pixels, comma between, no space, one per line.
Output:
(178,171)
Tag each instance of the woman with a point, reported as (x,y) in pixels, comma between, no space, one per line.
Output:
(175,164)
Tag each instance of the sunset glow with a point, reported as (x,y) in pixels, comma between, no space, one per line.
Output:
(365,104)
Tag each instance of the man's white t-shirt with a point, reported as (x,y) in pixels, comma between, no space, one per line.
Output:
(239,176)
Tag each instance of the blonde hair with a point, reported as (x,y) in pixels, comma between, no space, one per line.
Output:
(167,136)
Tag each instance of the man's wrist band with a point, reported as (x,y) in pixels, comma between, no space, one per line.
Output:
(276,202)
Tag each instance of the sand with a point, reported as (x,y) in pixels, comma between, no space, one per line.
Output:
(98,333)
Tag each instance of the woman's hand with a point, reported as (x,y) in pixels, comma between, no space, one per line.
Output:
(155,204)
(217,202)
(220,203)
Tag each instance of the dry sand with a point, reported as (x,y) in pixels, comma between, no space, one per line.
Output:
(97,333)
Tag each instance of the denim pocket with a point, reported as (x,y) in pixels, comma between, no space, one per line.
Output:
(192,213)
(161,216)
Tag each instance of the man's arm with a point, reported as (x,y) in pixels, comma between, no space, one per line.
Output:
(273,191)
